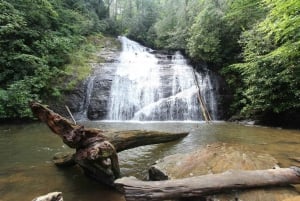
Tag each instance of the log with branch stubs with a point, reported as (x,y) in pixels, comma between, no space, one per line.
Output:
(96,150)
(207,184)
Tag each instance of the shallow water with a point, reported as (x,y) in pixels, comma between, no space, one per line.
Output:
(26,151)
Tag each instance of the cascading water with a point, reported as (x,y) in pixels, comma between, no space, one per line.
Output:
(84,107)
(157,87)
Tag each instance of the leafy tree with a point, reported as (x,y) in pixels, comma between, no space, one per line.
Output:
(240,16)
(271,68)
(205,37)
(172,25)
(36,40)
(136,19)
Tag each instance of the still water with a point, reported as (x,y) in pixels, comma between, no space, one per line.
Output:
(26,151)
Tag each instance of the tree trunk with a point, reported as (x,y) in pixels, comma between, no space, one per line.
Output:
(207,184)
(96,150)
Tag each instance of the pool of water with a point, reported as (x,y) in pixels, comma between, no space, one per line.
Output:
(26,169)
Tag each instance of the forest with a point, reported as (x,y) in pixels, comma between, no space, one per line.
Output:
(253,44)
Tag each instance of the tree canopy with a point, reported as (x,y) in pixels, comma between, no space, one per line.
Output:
(36,41)
(253,43)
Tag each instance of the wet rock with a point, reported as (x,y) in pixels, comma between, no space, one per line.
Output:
(76,97)
(103,68)
(99,101)
(217,158)
(104,74)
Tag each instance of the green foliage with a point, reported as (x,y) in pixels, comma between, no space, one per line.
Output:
(205,42)
(14,100)
(136,19)
(172,26)
(37,40)
(271,69)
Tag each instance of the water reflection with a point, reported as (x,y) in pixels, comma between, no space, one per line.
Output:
(26,169)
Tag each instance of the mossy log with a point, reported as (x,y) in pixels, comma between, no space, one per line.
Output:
(96,150)
(207,184)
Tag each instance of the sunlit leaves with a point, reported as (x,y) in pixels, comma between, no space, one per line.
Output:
(205,37)
(271,72)
(283,21)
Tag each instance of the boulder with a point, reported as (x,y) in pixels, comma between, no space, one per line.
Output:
(100,95)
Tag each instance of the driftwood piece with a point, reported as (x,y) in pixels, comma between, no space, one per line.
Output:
(54,196)
(96,150)
(123,140)
(207,184)
(64,159)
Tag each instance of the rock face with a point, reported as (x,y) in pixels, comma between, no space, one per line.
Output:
(92,99)
(101,77)
(71,98)
(76,97)
(100,94)
(217,158)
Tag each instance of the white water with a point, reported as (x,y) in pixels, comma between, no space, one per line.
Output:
(154,89)
(82,114)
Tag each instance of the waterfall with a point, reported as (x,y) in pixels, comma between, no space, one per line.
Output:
(82,114)
(159,87)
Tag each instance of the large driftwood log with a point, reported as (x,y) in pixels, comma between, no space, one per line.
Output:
(96,150)
(207,184)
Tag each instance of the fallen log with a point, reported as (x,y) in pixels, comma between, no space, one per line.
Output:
(123,140)
(207,184)
(96,150)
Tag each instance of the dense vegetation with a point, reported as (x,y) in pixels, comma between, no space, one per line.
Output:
(38,39)
(253,43)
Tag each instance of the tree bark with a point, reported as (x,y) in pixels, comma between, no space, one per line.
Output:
(96,150)
(207,184)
